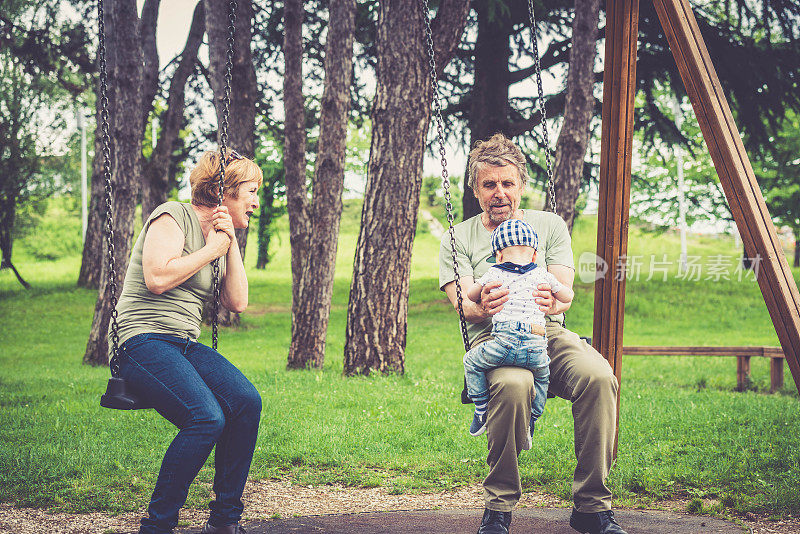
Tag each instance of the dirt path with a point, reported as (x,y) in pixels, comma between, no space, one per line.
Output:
(277,499)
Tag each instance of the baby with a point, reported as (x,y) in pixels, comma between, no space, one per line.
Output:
(518,332)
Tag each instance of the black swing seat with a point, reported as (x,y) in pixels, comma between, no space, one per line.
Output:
(118,397)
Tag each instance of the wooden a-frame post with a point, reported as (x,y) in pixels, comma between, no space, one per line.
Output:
(730,160)
(616,152)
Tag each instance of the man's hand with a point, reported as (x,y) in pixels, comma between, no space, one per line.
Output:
(492,301)
(486,303)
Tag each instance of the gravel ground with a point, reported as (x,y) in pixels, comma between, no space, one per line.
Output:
(271,499)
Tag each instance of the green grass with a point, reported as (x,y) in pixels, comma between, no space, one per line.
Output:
(684,431)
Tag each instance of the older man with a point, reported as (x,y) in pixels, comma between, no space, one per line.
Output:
(497,176)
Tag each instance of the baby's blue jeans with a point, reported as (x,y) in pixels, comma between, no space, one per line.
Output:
(514,345)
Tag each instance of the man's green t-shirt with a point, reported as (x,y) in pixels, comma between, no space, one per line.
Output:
(178,311)
(474,253)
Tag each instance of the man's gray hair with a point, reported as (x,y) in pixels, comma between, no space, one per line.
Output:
(498,151)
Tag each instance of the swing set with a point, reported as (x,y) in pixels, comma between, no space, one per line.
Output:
(118,396)
(619,85)
(727,151)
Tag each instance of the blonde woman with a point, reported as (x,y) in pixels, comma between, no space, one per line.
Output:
(169,280)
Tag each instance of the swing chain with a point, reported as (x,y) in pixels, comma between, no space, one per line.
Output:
(551,190)
(424,9)
(111,286)
(223,141)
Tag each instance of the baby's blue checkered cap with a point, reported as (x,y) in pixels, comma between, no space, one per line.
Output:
(514,232)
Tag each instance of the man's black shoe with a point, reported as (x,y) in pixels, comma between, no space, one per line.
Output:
(236,528)
(495,522)
(595,523)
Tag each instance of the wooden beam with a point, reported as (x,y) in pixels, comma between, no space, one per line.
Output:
(742,373)
(616,150)
(743,355)
(766,352)
(775,375)
(736,174)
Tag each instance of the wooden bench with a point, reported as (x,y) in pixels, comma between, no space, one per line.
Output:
(743,355)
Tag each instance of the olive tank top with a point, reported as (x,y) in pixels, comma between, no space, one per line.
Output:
(178,311)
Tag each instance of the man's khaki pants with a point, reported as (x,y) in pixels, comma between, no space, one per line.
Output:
(579,374)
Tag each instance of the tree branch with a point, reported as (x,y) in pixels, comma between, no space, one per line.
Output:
(147,30)
(447,28)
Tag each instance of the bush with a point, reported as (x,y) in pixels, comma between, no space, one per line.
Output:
(49,232)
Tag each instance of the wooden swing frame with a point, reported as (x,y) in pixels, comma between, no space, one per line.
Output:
(730,160)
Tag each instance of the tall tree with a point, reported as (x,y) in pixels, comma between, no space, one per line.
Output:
(488,103)
(44,65)
(578,109)
(126,164)
(294,146)
(242,117)
(310,317)
(495,66)
(779,178)
(155,179)
(18,152)
(92,256)
(270,210)
(91,269)
(377,312)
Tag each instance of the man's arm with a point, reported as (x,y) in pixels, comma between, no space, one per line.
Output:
(476,312)
(546,300)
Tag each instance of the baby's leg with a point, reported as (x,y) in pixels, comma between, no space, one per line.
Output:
(540,367)
(541,381)
(477,361)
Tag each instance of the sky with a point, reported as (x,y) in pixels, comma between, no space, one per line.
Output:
(174,19)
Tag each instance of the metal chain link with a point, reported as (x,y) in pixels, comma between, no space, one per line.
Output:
(223,141)
(424,9)
(111,285)
(551,190)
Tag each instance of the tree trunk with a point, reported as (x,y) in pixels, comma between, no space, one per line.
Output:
(242,118)
(155,185)
(310,323)
(294,146)
(147,30)
(93,251)
(796,247)
(265,217)
(7,238)
(126,166)
(578,111)
(93,248)
(489,108)
(377,312)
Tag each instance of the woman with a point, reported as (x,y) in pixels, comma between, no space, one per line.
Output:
(169,279)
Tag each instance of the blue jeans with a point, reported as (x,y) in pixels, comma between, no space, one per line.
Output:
(211,402)
(512,344)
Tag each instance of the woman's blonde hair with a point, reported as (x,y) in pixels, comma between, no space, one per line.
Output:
(204,178)
(499,151)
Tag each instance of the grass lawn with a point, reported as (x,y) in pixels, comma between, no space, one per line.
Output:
(684,431)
